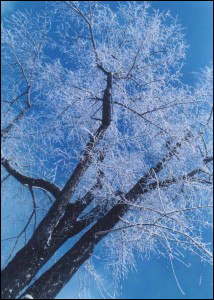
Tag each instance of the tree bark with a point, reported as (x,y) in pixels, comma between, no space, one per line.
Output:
(26,263)
(61,272)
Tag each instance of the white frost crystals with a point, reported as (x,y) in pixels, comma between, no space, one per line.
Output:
(27,297)
(146,181)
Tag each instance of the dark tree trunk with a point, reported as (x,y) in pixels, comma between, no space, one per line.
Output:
(54,229)
(62,271)
(28,261)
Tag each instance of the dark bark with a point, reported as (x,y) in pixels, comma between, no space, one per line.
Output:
(61,272)
(106,118)
(58,275)
(61,223)
(32,257)
(34,182)
(26,263)
(68,227)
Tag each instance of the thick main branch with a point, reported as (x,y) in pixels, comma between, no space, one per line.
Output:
(32,256)
(58,275)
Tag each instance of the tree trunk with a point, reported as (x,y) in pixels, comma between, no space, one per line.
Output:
(48,236)
(63,270)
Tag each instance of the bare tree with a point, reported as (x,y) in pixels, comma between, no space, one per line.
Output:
(100,141)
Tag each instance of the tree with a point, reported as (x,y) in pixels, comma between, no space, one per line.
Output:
(103,139)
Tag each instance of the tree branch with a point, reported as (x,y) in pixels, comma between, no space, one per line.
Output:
(34,182)
(83,249)
(140,115)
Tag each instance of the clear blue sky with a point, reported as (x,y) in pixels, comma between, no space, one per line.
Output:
(154,279)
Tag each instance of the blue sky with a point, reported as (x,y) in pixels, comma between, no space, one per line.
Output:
(154,278)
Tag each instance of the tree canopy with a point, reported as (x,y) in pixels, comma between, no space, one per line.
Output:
(101,142)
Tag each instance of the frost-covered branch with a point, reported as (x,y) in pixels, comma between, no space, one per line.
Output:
(94,112)
(34,182)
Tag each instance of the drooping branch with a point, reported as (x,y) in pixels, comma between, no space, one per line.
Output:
(34,182)
(68,228)
(67,217)
(43,234)
(143,226)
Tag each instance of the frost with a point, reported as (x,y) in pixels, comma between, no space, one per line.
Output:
(27,297)
(49,239)
(147,174)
